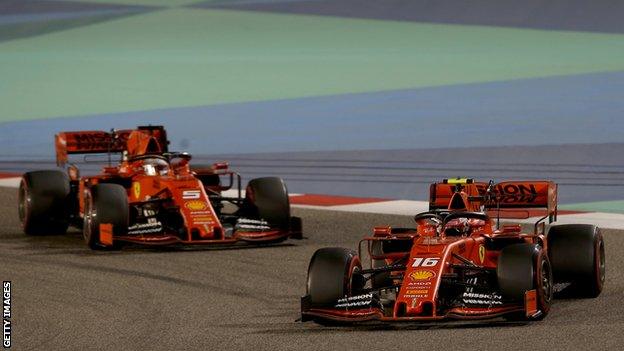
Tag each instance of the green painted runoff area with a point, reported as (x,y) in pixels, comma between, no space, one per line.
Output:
(168,3)
(599,206)
(183,57)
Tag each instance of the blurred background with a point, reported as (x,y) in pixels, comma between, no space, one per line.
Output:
(345,97)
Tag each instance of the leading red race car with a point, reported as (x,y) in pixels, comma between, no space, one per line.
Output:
(152,196)
(458,263)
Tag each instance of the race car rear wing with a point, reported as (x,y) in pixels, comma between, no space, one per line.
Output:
(97,142)
(524,194)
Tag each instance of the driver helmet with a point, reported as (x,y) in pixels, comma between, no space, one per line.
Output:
(155,166)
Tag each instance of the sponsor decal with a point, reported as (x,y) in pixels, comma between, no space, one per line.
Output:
(252,224)
(421,275)
(416,291)
(558,287)
(84,141)
(203,220)
(199,213)
(420,284)
(191,194)
(487,298)
(510,193)
(481,253)
(355,301)
(136,189)
(6,314)
(195,205)
(425,262)
(482,299)
(145,228)
(431,240)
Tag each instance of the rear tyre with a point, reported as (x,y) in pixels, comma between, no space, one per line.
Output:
(267,198)
(333,274)
(523,267)
(43,204)
(577,254)
(105,203)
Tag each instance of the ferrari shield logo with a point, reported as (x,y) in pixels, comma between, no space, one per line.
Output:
(481,253)
(136,189)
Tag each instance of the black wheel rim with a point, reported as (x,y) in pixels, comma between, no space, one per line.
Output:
(87,229)
(601,261)
(546,280)
(23,203)
(353,284)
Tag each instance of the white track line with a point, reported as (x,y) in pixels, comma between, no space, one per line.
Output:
(10,182)
(398,207)
(409,208)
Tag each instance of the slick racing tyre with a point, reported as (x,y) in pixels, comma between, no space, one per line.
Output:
(333,274)
(267,199)
(577,254)
(523,267)
(43,204)
(105,203)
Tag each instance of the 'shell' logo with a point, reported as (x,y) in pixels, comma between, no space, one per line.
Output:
(421,275)
(195,205)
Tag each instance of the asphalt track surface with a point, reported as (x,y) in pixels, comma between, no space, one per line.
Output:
(68,297)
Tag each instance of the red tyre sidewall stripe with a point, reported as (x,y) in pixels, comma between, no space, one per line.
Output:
(597,257)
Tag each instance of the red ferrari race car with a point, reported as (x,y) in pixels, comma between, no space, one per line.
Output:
(459,262)
(152,196)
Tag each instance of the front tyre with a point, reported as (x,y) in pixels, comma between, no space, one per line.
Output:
(333,274)
(267,198)
(524,267)
(104,204)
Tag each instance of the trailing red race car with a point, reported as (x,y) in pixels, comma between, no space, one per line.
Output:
(152,196)
(458,262)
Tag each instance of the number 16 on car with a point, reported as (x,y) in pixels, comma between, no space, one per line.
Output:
(425,262)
